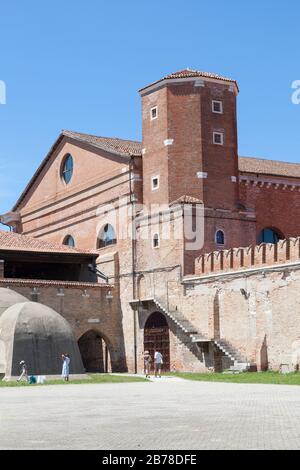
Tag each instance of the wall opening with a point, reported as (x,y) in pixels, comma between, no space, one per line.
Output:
(94,352)
(157,337)
(270,235)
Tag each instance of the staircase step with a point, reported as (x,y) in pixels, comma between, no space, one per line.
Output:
(183,323)
(196,338)
(230,352)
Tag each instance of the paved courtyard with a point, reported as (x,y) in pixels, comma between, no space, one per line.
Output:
(165,414)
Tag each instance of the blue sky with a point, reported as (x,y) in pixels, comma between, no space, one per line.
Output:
(78,65)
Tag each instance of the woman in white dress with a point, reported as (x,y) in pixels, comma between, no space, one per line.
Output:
(66,367)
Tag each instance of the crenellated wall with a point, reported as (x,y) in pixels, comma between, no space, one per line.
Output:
(236,259)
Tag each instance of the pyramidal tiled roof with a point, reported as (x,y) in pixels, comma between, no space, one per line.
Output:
(186,73)
(184,199)
(189,73)
(18,242)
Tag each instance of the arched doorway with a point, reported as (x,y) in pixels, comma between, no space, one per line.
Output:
(157,336)
(94,352)
(270,235)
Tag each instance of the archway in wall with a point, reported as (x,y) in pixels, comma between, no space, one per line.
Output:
(157,336)
(94,352)
(270,235)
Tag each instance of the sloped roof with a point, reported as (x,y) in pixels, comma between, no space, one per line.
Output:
(18,242)
(189,73)
(186,200)
(268,167)
(120,147)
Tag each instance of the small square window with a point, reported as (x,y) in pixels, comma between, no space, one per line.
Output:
(153,113)
(155,182)
(217,107)
(218,138)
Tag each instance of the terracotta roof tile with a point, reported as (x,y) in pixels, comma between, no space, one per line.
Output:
(268,167)
(188,73)
(186,200)
(17,242)
(42,282)
(111,144)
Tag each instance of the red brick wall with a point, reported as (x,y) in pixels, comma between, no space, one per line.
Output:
(238,229)
(155,156)
(52,210)
(80,304)
(276,208)
(185,115)
(185,156)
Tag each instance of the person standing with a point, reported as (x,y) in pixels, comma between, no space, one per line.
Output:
(147,363)
(24,372)
(158,361)
(66,367)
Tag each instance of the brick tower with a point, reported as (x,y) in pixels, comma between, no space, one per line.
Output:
(190,139)
(190,149)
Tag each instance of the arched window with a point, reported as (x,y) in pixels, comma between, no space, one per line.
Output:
(269,235)
(220,239)
(155,241)
(67,168)
(107,236)
(69,241)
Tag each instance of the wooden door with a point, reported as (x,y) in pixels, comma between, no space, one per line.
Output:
(157,337)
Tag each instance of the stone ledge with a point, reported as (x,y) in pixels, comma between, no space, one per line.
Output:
(239,273)
(46,283)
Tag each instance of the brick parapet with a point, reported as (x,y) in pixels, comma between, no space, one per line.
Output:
(236,259)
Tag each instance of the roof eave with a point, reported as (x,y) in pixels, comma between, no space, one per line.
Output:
(94,144)
(38,171)
(166,81)
(50,252)
(62,135)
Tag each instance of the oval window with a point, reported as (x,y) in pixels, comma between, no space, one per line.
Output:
(67,168)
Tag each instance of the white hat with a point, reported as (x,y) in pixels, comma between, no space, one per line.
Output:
(22,362)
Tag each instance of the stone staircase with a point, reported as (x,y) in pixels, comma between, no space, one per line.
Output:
(184,324)
(239,362)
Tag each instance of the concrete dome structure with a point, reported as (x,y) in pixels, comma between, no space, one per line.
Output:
(8,298)
(35,333)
